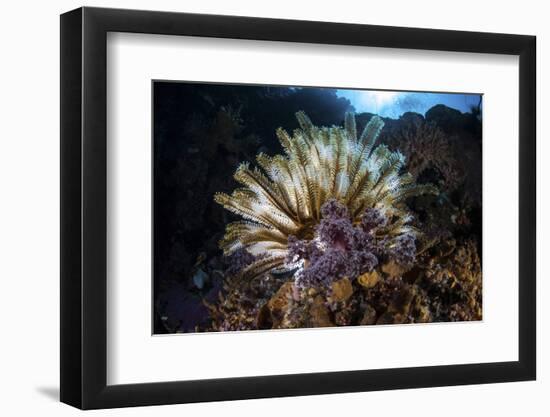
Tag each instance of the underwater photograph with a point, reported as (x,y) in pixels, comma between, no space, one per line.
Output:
(286,207)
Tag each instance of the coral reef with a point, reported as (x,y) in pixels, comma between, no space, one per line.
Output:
(453,280)
(444,148)
(341,249)
(444,285)
(427,147)
(328,179)
(335,226)
(333,261)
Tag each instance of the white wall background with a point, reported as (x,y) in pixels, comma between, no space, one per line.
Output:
(29,208)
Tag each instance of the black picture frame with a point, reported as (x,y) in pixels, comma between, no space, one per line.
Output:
(84,207)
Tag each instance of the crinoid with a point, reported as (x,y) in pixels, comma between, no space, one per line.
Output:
(293,204)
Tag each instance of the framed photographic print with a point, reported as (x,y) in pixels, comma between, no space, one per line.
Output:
(256,208)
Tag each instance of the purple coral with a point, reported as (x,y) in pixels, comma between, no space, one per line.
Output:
(339,249)
(239,260)
(342,249)
(298,249)
(329,266)
(334,209)
(403,251)
(372,219)
(336,232)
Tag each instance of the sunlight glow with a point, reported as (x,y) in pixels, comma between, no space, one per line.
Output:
(381,98)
